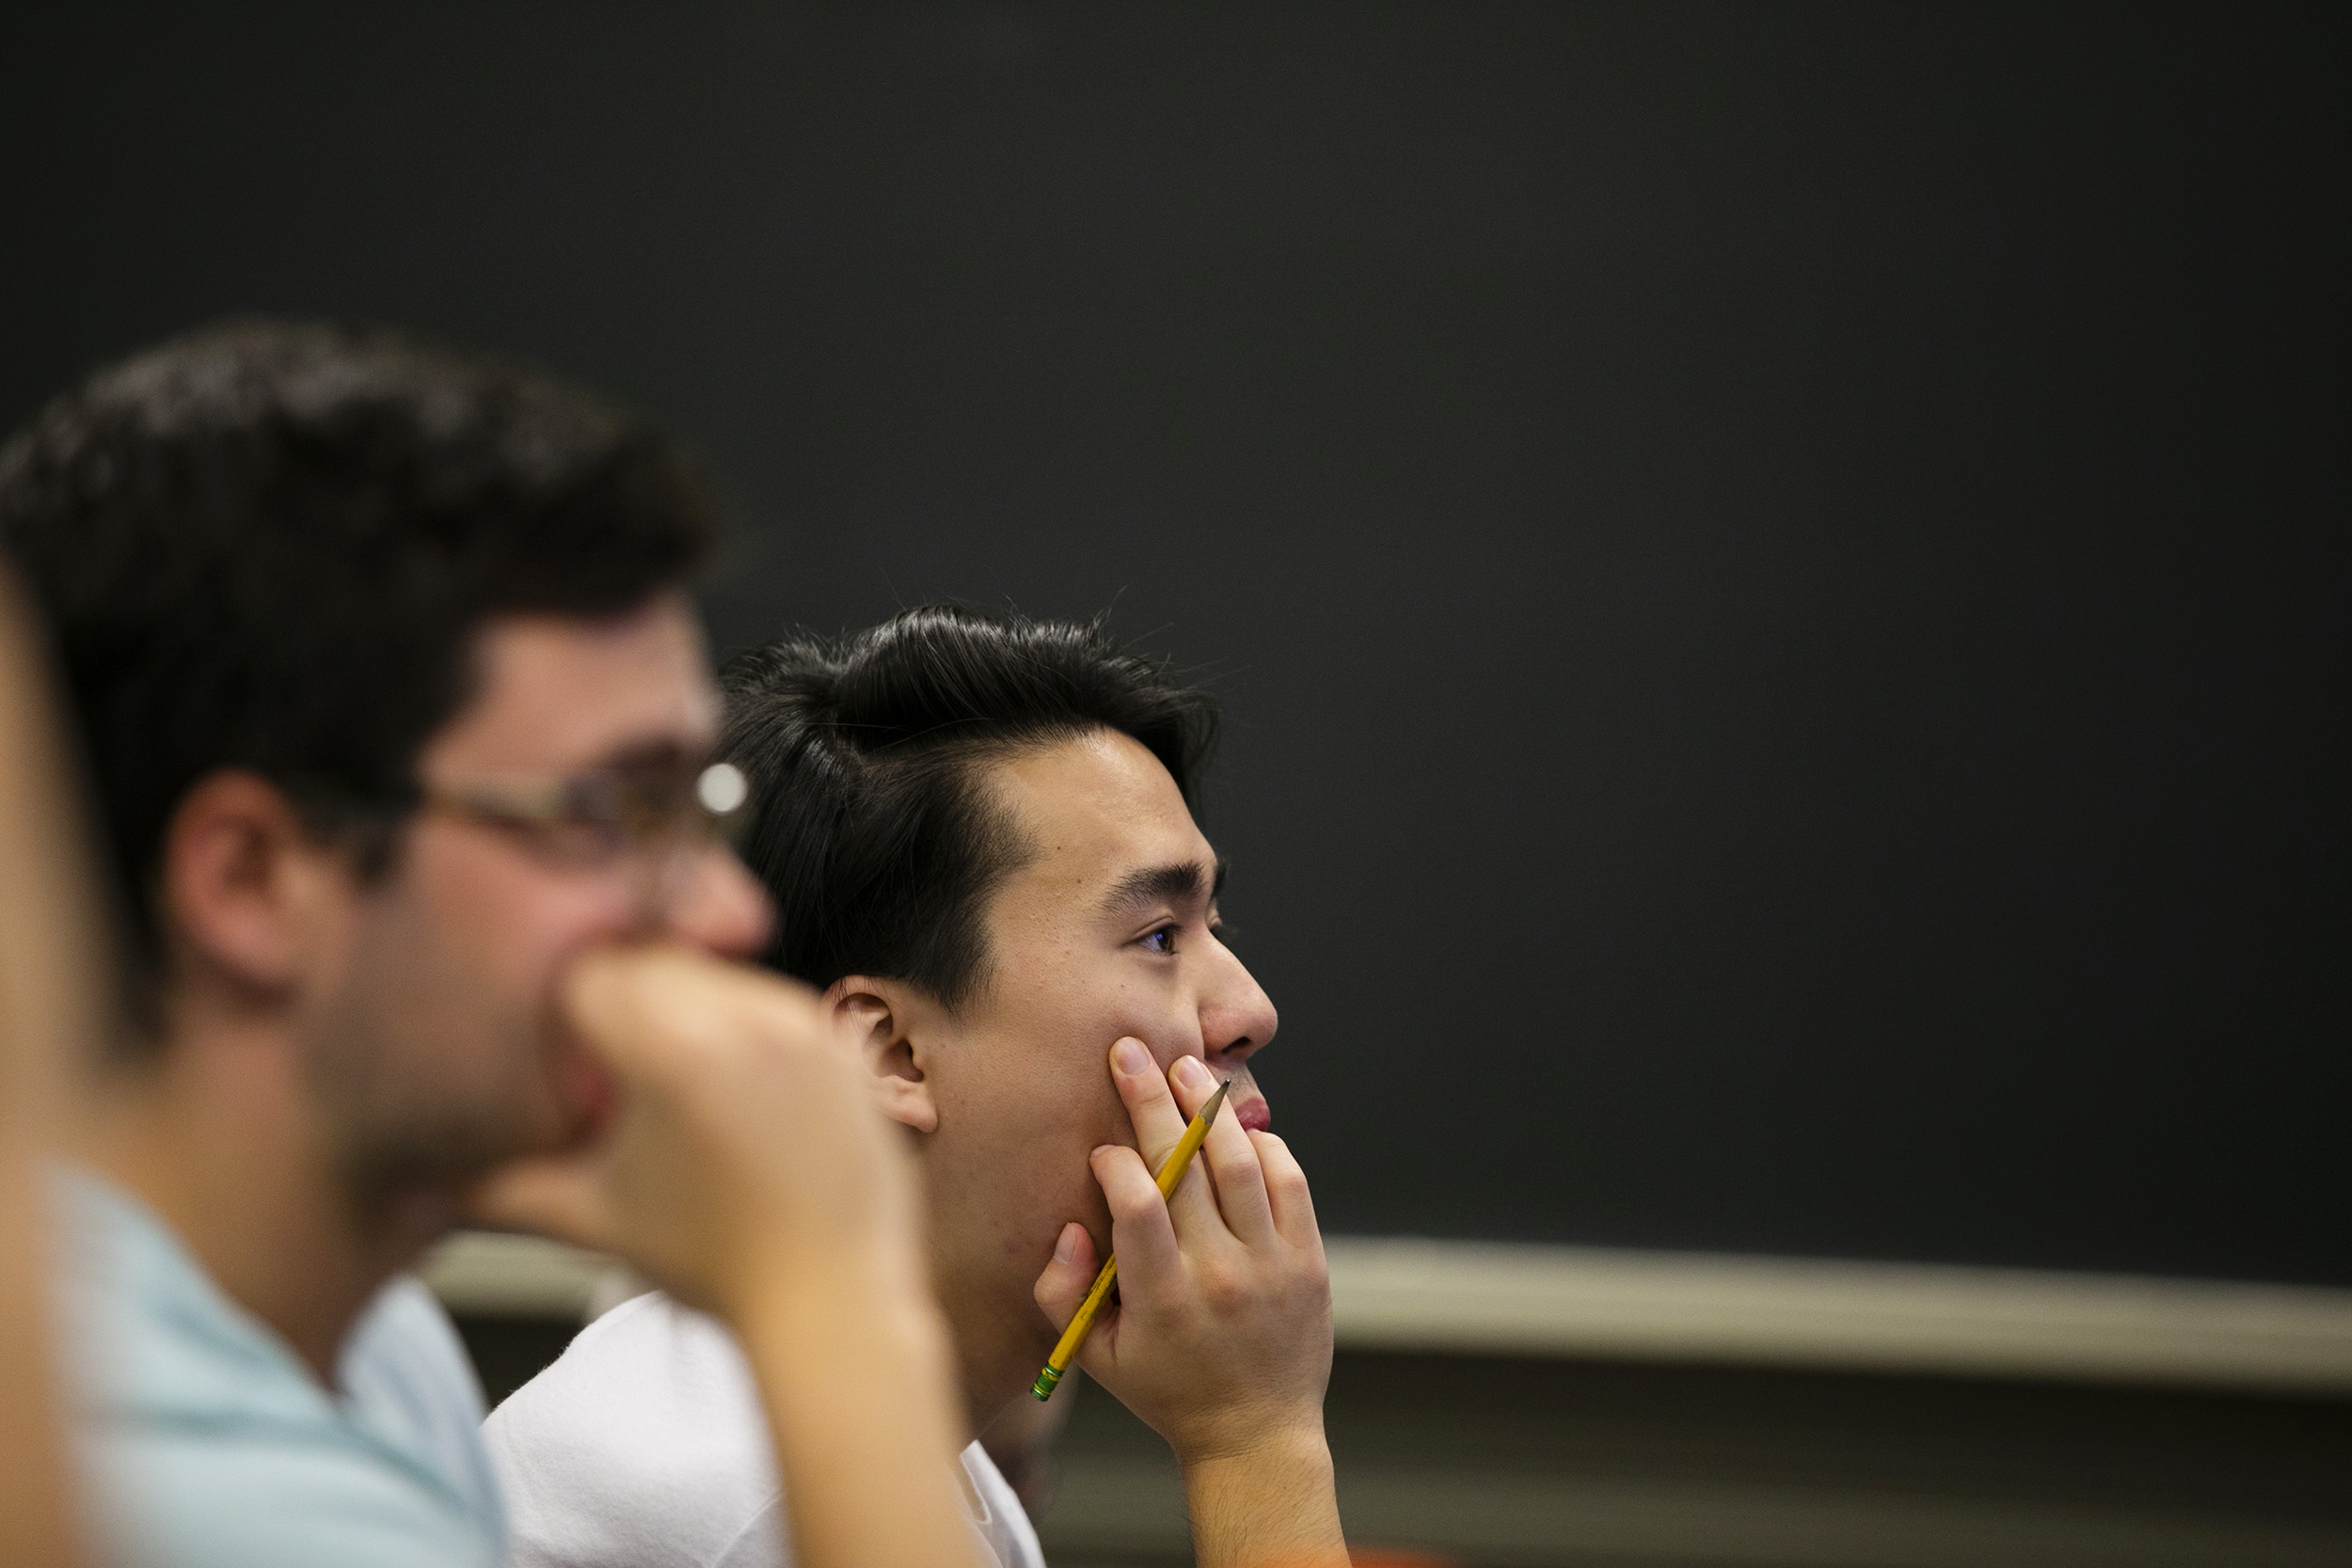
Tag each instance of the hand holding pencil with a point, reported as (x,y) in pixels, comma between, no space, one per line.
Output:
(1171,1171)
(1221,1338)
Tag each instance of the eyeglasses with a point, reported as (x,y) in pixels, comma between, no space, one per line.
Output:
(611,815)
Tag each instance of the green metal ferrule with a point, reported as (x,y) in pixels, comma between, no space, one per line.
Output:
(1046,1382)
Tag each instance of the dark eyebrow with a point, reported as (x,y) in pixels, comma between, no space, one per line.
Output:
(1184,882)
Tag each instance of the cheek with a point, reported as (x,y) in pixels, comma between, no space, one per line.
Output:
(1034,1076)
(492,932)
(1020,1114)
(1086,1008)
(512,922)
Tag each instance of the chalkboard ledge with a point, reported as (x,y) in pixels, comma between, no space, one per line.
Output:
(1414,1295)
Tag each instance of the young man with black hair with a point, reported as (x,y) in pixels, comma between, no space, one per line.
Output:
(400,725)
(979,838)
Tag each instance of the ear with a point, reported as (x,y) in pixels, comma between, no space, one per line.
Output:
(878,1015)
(247,892)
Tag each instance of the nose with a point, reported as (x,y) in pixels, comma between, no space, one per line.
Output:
(718,906)
(1237,1020)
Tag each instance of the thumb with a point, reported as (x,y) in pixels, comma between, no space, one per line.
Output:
(1068,1277)
(555,1195)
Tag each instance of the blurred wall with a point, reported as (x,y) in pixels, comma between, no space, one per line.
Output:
(1779,574)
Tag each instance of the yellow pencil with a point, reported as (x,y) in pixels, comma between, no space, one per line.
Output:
(1190,1144)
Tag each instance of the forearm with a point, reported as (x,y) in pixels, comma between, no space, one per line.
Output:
(856,1391)
(48,944)
(1272,1507)
(35,1492)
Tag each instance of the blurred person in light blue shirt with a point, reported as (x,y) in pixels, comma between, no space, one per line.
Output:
(394,705)
(400,723)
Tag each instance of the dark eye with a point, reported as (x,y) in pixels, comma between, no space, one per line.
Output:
(1162,941)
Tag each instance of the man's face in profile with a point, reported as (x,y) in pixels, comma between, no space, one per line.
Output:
(435,1049)
(1109,930)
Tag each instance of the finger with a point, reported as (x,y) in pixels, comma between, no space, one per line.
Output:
(641,1006)
(1159,1124)
(1233,1161)
(1068,1276)
(1294,1205)
(1194,1202)
(1151,1264)
(613,1000)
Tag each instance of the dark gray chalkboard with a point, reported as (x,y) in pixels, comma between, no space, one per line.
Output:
(1779,574)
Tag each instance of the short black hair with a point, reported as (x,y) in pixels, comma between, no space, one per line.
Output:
(871,827)
(268,545)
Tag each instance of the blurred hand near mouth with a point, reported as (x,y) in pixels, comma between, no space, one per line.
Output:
(741,1163)
(739,1143)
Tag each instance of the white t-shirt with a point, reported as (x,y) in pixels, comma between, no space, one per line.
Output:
(645,1447)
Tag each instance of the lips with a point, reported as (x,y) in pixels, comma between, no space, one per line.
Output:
(1253,1112)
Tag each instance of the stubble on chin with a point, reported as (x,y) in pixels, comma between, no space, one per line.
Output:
(402,1142)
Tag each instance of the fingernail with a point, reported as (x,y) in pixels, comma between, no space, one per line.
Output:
(1194,1074)
(1066,1249)
(1130,1057)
